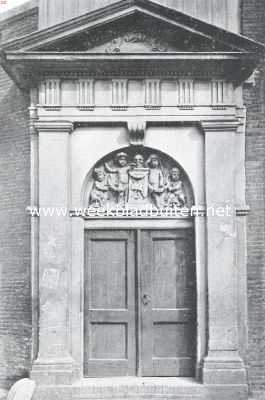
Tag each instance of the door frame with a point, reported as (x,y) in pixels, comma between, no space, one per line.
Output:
(76,313)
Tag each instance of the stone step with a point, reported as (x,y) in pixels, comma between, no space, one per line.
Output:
(154,389)
(139,388)
(147,397)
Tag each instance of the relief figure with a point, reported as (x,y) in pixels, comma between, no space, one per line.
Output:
(156,184)
(138,182)
(119,185)
(175,189)
(99,192)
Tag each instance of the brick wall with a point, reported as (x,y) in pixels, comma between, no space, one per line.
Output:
(19,25)
(253,26)
(22,25)
(15,307)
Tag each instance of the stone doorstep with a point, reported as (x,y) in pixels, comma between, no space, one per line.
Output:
(139,388)
(140,397)
(124,388)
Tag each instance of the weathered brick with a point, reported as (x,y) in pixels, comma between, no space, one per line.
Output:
(253,26)
(15,291)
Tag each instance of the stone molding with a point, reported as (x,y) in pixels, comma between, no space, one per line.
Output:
(55,371)
(242,210)
(134,72)
(198,65)
(137,127)
(220,125)
(54,127)
(218,369)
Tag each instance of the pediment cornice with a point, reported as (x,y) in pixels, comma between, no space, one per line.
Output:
(131,37)
(119,11)
(28,68)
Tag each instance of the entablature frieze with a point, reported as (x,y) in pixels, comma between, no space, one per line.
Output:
(121,94)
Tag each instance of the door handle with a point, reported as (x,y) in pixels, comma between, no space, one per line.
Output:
(146,299)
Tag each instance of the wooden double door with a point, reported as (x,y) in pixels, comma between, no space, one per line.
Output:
(140,303)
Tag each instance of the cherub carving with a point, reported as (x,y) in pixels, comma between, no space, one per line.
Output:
(156,183)
(99,192)
(175,189)
(120,185)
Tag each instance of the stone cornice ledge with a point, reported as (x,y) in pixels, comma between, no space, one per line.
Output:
(220,125)
(54,126)
(242,210)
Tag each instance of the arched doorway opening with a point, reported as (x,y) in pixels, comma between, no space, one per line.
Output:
(140,280)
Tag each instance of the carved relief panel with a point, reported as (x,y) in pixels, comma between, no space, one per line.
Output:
(137,178)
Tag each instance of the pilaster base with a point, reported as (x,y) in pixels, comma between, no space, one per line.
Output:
(54,371)
(224,371)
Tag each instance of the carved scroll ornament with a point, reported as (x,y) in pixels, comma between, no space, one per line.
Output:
(121,43)
(137,180)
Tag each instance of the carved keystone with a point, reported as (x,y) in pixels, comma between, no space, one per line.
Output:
(136,129)
(22,390)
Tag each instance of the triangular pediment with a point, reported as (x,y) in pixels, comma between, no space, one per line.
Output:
(131,37)
(131,40)
(135,34)
(133,26)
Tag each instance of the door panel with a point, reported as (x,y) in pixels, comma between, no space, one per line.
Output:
(163,343)
(109,274)
(110,332)
(168,303)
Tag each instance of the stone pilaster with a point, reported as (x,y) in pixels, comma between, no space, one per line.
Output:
(54,363)
(223,365)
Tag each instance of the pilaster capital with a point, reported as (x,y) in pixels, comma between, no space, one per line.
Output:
(54,126)
(220,125)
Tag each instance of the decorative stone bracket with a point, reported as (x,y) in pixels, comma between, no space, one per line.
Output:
(136,129)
